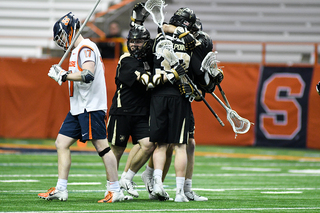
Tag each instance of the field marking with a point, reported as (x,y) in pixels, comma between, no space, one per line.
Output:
(251,169)
(287,192)
(84,183)
(181,210)
(15,181)
(306,171)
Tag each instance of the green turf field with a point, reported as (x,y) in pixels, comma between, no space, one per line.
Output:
(235,179)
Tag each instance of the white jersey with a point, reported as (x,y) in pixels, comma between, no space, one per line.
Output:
(87,96)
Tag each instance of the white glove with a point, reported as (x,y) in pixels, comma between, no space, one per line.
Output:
(56,73)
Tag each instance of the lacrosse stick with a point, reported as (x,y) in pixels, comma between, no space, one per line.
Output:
(165,49)
(78,34)
(239,125)
(209,64)
(155,8)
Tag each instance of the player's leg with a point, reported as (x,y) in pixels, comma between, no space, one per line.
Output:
(132,153)
(191,195)
(69,130)
(179,135)
(98,135)
(141,157)
(159,160)
(180,165)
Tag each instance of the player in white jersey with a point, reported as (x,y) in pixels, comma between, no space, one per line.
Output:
(88,106)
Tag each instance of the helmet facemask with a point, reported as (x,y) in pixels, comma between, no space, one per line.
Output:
(138,42)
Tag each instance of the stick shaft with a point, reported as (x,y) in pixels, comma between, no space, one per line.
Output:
(204,100)
(220,102)
(79,32)
(224,96)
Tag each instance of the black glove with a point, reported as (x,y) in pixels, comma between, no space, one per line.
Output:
(139,13)
(189,41)
(180,70)
(219,78)
(210,87)
(318,87)
(186,89)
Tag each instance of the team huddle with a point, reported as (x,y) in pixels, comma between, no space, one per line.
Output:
(156,82)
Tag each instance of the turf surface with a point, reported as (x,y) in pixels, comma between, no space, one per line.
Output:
(235,179)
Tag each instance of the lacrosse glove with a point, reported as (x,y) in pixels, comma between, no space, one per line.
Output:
(175,73)
(186,89)
(58,74)
(219,77)
(138,14)
(185,35)
(318,87)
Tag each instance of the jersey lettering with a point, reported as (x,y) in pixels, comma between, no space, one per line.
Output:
(283,113)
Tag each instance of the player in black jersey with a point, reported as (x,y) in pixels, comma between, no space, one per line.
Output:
(170,111)
(129,112)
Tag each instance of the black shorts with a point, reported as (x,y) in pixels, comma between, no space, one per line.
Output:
(121,127)
(169,119)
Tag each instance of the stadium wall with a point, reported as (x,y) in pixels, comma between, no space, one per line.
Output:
(281,101)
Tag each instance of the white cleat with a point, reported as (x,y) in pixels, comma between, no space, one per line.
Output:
(113,197)
(148,182)
(192,196)
(159,191)
(54,194)
(127,185)
(180,197)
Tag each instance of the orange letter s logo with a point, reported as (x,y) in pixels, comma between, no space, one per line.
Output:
(283,113)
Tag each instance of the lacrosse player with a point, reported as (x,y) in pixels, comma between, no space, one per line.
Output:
(88,106)
(206,83)
(169,110)
(129,112)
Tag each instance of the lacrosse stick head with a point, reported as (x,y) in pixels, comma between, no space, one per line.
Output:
(138,42)
(209,64)
(164,49)
(239,125)
(64,30)
(183,17)
(155,8)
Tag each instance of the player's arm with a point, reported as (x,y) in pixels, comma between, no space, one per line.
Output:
(87,74)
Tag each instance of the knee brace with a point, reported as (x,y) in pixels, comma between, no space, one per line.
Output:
(103,152)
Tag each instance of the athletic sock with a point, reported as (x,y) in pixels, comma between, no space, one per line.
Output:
(130,174)
(123,174)
(149,171)
(188,185)
(62,184)
(157,175)
(180,183)
(114,186)
(108,185)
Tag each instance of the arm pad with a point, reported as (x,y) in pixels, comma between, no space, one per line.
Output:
(87,76)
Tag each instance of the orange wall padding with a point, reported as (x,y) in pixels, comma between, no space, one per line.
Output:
(32,105)
(313,134)
(240,86)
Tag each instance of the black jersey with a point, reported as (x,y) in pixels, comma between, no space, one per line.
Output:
(160,65)
(198,55)
(131,97)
